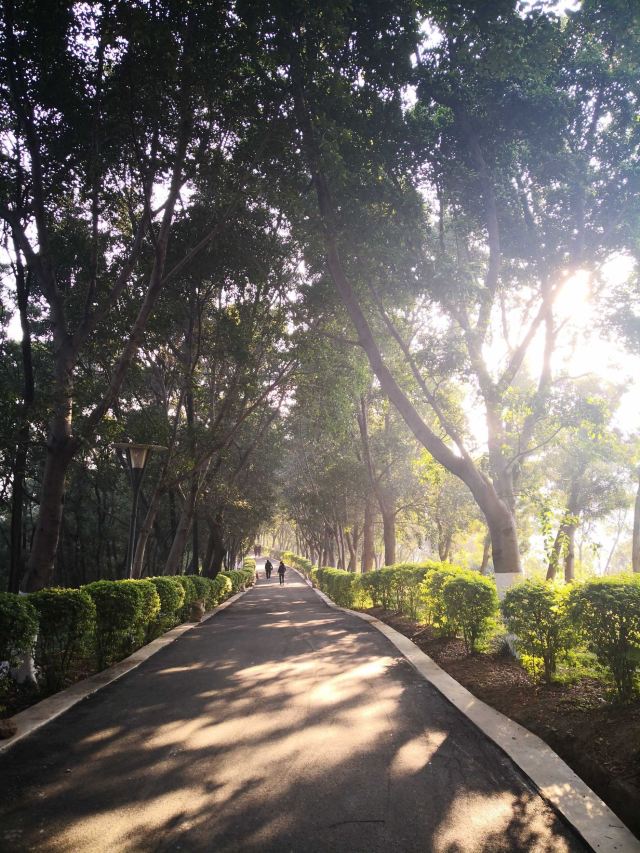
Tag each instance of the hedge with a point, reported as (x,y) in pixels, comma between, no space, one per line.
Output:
(171,594)
(606,613)
(66,618)
(535,612)
(105,619)
(470,601)
(18,627)
(342,587)
(119,611)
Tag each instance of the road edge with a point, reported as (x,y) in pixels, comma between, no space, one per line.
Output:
(38,715)
(554,780)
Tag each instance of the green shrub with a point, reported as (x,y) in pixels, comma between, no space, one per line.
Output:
(222,588)
(119,611)
(66,618)
(301,563)
(190,595)
(432,599)
(372,585)
(342,587)
(202,588)
(535,612)
(470,601)
(239,579)
(149,609)
(171,594)
(18,627)
(606,611)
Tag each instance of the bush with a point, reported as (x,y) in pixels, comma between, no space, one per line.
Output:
(202,588)
(432,598)
(190,595)
(342,587)
(119,610)
(470,601)
(298,562)
(65,618)
(239,579)
(535,612)
(18,627)
(606,612)
(149,610)
(171,594)
(222,588)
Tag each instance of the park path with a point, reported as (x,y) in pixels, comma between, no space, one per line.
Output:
(278,725)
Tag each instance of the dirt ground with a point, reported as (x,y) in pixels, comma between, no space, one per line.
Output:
(599,739)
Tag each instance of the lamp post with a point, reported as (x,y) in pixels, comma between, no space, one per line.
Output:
(137,456)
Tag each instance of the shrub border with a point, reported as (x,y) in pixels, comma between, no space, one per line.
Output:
(48,709)
(555,781)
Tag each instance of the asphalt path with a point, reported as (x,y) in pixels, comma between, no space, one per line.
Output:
(278,725)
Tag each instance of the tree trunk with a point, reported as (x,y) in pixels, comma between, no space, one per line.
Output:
(486,550)
(389,533)
(635,544)
(213,564)
(499,516)
(145,532)
(570,553)
(368,546)
(173,564)
(60,450)
(16,552)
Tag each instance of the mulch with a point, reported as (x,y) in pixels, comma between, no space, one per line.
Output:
(597,737)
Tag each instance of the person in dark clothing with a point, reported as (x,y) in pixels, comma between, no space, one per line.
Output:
(281,570)
(268,568)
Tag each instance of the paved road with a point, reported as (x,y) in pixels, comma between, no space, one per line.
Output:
(279,725)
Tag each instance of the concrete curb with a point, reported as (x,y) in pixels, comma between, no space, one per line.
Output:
(556,782)
(43,712)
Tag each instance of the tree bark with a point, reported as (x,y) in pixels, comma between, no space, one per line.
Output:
(368,546)
(16,552)
(389,534)
(173,564)
(570,553)
(635,543)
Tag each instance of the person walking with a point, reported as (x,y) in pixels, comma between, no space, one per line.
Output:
(281,570)
(268,568)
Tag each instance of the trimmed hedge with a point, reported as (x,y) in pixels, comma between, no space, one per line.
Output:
(470,601)
(171,594)
(535,612)
(343,587)
(18,627)
(119,610)
(66,618)
(606,613)
(105,619)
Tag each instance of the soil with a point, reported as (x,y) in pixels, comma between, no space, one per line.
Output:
(599,739)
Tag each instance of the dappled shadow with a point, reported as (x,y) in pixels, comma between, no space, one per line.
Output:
(278,725)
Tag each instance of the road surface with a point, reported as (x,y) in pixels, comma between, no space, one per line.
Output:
(279,725)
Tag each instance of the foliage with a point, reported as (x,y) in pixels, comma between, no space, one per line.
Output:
(606,612)
(171,594)
(18,627)
(342,587)
(240,579)
(119,609)
(431,593)
(535,611)
(470,601)
(65,624)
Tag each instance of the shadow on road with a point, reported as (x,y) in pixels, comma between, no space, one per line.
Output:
(280,725)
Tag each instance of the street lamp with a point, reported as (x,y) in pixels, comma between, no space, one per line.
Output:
(137,456)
